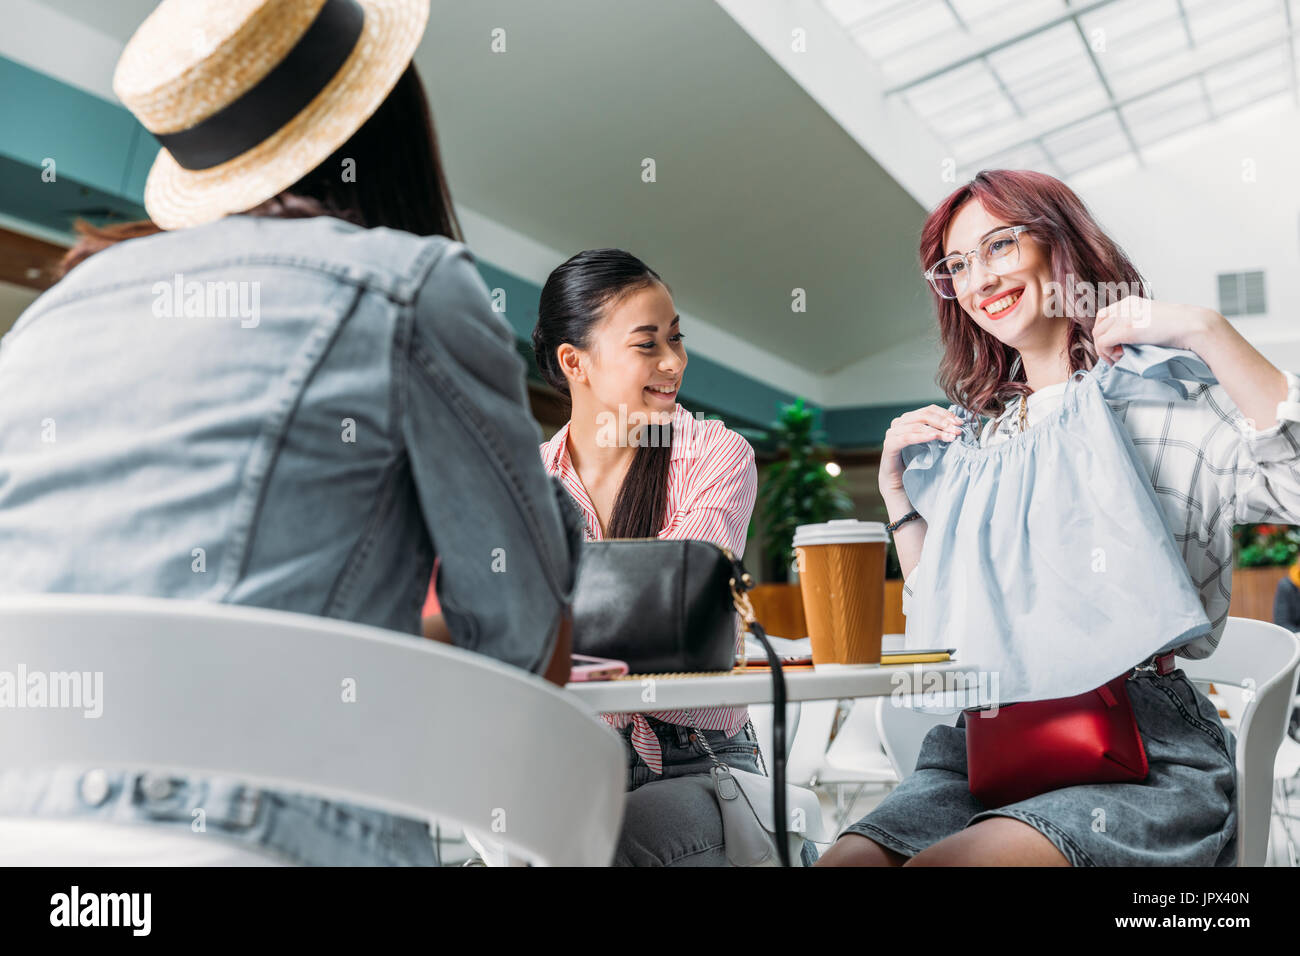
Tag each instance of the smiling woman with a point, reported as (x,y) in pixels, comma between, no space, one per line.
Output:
(609,339)
(1212,428)
(1036,244)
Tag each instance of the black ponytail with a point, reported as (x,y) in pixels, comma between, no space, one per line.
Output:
(574,299)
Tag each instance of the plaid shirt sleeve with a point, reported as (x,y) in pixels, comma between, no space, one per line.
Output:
(1266,476)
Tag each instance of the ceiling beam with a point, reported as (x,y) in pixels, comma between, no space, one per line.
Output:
(1109,90)
(1290,50)
(1010,41)
(1117,105)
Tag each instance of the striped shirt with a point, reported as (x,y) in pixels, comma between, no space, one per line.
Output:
(1210,470)
(712,483)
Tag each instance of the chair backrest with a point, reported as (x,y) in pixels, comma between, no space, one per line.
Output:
(856,753)
(1262,658)
(807,761)
(902,730)
(338,710)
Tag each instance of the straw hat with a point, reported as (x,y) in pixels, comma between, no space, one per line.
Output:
(248,96)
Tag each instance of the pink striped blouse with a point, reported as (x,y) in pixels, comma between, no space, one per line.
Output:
(712,482)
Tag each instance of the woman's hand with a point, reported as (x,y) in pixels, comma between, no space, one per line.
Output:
(1253,383)
(1134,320)
(910,428)
(435,629)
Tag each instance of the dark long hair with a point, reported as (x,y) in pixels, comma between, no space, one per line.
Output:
(399,180)
(975,370)
(577,295)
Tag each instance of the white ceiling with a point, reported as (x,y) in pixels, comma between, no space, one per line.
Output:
(798,142)
(758,190)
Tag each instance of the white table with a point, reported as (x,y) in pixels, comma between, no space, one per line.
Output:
(726,690)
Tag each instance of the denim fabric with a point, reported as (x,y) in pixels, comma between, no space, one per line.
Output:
(1183,814)
(320,410)
(673,819)
(291,828)
(1048,562)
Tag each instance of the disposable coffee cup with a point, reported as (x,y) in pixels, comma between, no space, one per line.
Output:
(842,577)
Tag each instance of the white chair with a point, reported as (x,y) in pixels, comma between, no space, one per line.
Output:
(1285,770)
(857,752)
(807,758)
(1260,657)
(258,695)
(1231,702)
(902,732)
(857,757)
(797,738)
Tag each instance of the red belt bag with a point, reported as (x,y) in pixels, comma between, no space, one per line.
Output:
(1040,745)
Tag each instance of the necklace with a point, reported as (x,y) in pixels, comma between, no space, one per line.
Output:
(1024,414)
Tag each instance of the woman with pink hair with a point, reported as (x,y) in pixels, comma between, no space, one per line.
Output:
(1030,290)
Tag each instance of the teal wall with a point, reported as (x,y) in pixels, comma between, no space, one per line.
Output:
(102,157)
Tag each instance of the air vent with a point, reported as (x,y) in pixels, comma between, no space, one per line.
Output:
(1241,293)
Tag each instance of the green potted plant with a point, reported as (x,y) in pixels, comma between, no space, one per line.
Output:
(1265,545)
(797,489)
(1262,554)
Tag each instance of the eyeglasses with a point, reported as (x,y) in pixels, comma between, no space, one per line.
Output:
(999,253)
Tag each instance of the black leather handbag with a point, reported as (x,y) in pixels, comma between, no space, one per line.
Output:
(660,605)
(665,606)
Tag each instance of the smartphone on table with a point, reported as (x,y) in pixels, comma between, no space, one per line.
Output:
(595,668)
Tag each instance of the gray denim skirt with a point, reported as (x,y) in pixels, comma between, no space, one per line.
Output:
(1183,814)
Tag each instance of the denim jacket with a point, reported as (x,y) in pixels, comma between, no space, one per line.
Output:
(290,414)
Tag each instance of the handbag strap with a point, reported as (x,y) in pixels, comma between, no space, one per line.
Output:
(699,735)
(778,740)
(741,581)
(750,733)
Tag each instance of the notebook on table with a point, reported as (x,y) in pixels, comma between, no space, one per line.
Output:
(797,654)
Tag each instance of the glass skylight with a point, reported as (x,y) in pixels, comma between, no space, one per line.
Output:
(1066,86)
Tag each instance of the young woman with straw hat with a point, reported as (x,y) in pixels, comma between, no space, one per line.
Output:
(280,392)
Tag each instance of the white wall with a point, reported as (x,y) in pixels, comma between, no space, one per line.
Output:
(14,300)
(523,256)
(1224,200)
(836,73)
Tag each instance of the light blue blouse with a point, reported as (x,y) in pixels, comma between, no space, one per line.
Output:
(1048,562)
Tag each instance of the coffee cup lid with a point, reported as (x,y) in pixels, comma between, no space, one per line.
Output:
(840,531)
